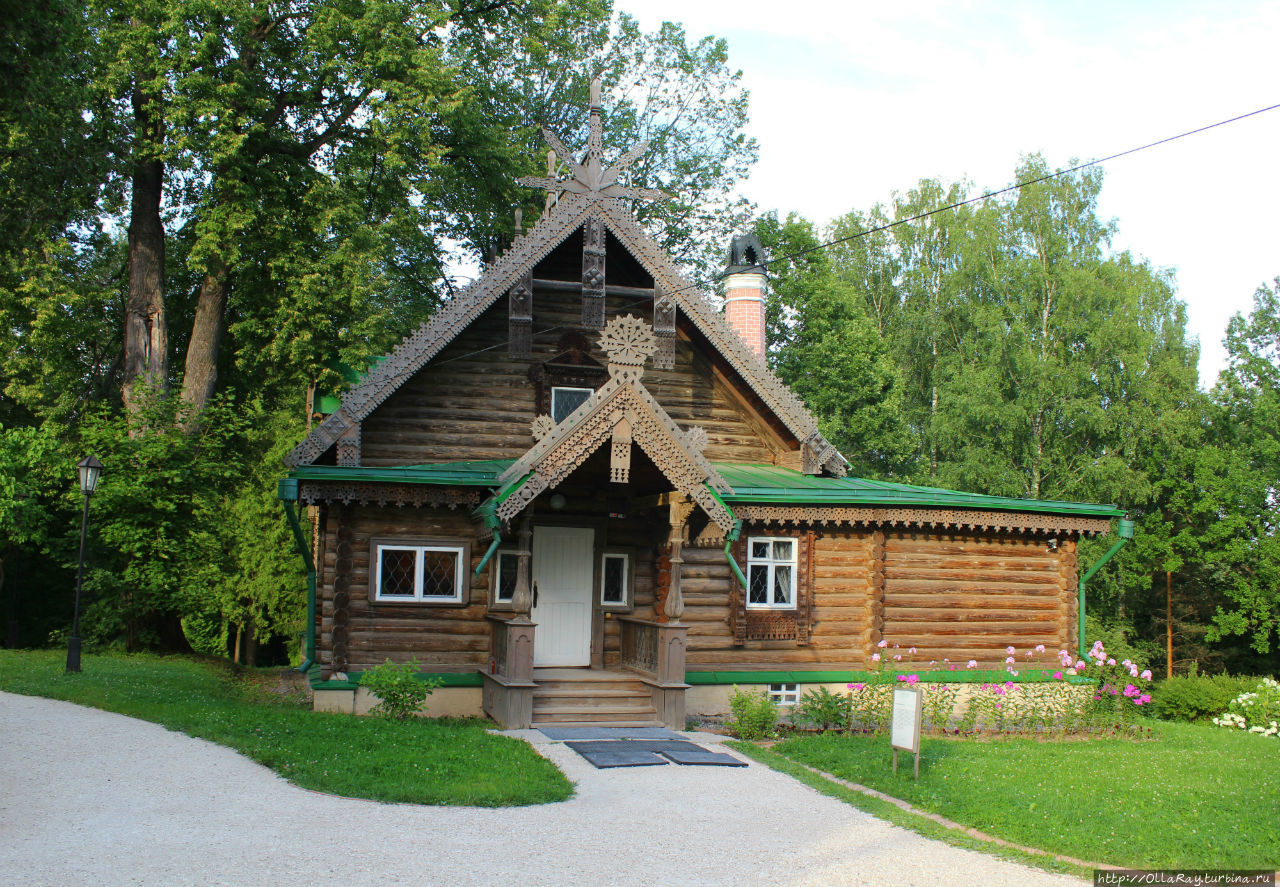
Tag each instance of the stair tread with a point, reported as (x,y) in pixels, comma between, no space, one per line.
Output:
(540,722)
(595,709)
(589,692)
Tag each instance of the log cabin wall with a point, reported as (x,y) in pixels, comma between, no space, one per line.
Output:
(471,403)
(356,633)
(952,596)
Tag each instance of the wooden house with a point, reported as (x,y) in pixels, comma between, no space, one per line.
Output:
(578,494)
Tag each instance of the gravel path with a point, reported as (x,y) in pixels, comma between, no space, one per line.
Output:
(91,797)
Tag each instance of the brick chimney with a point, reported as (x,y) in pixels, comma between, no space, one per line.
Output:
(744,295)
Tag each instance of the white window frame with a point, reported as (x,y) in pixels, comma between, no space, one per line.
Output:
(557,388)
(625,603)
(784,694)
(460,553)
(770,563)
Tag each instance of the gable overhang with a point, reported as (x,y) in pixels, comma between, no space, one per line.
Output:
(570,213)
(621,404)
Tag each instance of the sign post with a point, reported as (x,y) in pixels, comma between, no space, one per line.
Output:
(904,731)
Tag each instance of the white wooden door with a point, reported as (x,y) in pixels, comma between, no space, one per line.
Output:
(562,561)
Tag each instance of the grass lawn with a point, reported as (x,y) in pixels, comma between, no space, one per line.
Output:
(1194,797)
(421,761)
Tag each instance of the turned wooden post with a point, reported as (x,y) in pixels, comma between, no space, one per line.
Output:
(521,595)
(680,510)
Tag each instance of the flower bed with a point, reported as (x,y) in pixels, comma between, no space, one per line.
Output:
(1257,711)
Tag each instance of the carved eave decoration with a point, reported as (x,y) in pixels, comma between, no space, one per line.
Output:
(623,412)
(955,520)
(591,197)
(384,494)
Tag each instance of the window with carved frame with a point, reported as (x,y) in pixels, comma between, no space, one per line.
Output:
(573,370)
(419,571)
(616,580)
(503,586)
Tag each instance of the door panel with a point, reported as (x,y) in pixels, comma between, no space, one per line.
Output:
(562,573)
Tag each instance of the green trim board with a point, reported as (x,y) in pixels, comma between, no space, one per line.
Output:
(446,678)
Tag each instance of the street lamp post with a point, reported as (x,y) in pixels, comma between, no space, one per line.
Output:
(90,470)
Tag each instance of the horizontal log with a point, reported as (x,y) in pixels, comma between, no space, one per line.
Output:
(961,601)
(977,588)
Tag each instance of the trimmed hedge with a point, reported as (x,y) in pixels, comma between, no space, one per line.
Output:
(1198,697)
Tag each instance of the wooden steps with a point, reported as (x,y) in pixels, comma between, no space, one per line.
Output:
(584,697)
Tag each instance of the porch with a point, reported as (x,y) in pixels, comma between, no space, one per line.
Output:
(645,689)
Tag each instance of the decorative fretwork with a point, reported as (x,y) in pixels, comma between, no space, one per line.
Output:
(620,453)
(593,274)
(412,495)
(695,438)
(923,518)
(587,195)
(571,368)
(664,328)
(520,316)
(639,645)
(541,426)
(341,603)
(348,449)
(629,343)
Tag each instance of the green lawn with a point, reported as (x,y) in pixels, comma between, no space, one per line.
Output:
(420,761)
(1193,797)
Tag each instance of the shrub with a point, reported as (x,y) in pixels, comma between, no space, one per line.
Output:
(1197,697)
(399,688)
(1257,710)
(754,714)
(822,709)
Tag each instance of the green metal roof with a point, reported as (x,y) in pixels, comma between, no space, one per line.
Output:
(763,484)
(483,473)
(773,484)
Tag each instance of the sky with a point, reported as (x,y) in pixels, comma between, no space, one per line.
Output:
(853,101)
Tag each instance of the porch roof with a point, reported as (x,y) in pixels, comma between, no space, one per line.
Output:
(751,484)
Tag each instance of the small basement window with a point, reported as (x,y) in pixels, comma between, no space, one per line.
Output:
(771,574)
(565,400)
(615,579)
(429,574)
(784,694)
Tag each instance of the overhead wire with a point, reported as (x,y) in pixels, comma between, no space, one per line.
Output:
(986,195)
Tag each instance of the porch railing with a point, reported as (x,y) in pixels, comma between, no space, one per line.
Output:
(508,679)
(655,649)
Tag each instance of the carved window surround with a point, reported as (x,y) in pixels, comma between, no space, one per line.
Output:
(572,368)
(450,553)
(796,624)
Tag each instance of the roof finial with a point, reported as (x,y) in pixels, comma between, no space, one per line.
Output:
(595,94)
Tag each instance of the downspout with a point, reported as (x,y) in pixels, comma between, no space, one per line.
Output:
(287,493)
(1124,527)
(491,521)
(730,538)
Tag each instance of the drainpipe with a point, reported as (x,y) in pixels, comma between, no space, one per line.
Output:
(1124,527)
(730,538)
(287,493)
(491,521)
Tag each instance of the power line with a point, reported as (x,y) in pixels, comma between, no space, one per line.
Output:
(933,212)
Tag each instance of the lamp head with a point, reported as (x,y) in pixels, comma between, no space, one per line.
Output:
(90,470)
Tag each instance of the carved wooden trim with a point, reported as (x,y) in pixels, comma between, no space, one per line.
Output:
(362,493)
(664,327)
(931,518)
(520,316)
(775,625)
(348,447)
(572,368)
(593,273)
(342,569)
(1068,600)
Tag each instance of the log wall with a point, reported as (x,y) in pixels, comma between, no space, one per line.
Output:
(471,403)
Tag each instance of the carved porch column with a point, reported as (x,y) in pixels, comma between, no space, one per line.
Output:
(680,509)
(521,595)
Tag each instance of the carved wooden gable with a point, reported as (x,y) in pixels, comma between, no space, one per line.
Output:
(591,201)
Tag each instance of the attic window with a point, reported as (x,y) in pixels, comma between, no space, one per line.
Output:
(565,400)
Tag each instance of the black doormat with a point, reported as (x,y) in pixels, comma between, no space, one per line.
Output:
(604,754)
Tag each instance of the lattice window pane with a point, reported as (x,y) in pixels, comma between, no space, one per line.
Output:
(565,400)
(508,566)
(759,579)
(439,574)
(396,576)
(760,549)
(615,580)
(782,584)
(782,550)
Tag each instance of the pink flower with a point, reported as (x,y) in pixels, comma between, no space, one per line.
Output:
(973,663)
(913,679)
(1009,650)
(882,644)
(998,705)
(932,663)
(912,651)
(1096,697)
(1130,690)
(1111,662)
(1009,685)
(1057,675)
(875,657)
(1133,671)
(1079,663)
(1010,660)
(902,677)
(1013,671)
(1146,675)
(1143,699)
(1039,648)
(897,657)
(858,686)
